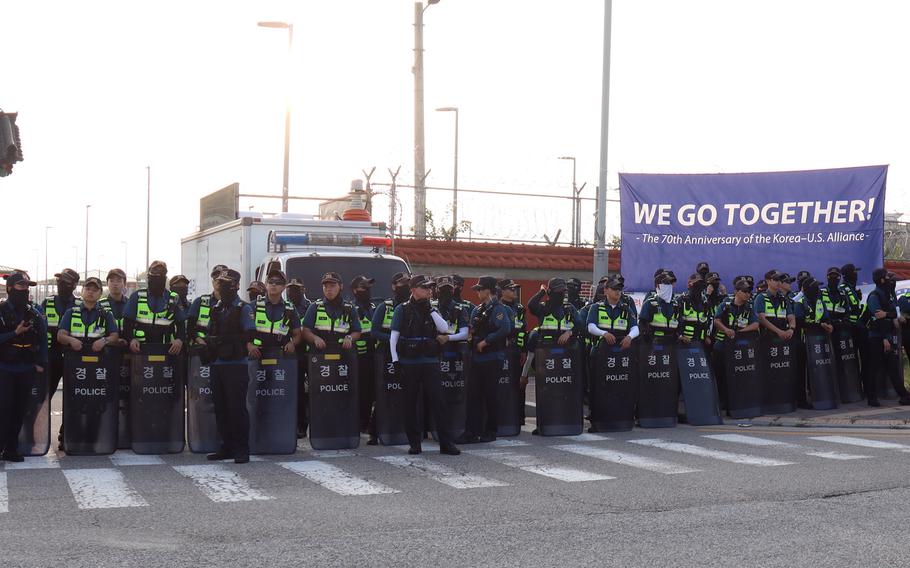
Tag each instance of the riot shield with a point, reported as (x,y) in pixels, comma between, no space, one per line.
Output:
(820,370)
(558,391)
(699,387)
(743,368)
(848,378)
(90,409)
(201,429)
(156,402)
(121,361)
(614,384)
(35,435)
(658,391)
(272,403)
(779,369)
(390,401)
(453,366)
(334,402)
(507,401)
(892,363)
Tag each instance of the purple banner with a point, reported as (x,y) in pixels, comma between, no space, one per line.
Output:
(750,223)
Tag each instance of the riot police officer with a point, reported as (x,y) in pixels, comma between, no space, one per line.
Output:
(88,324)
(23,354)
(659,314)
(381,325)
(857,316)
(573,293)
(613,320)
(734,316)
(694,314)
(774,313)
(835,301)
(509,290)
(330,321)
(276,321)
(459,287)
(296,293)
(153,315)
(199,314)
(256,290)
(417,331)
(179,285)
(361,290)
(884,348)
(115,301)
(53,309)
(231,328)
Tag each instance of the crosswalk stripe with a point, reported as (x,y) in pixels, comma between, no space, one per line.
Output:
(535,465)
(47,461)
(507,443)
(220,484)
(862,442)
(586,437)
(709,453)
(623,458)
(440,473)
(323,454)
(764,442)
(336,479)
(425,445)
(4,494)
(102,488)
(128,458)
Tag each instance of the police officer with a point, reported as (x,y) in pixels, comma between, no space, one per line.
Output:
(115,300)
(558,318)
(734,316)
(256,290)
(417,331)
(231,328)
(857,315)
(23,354)
(509,290)
(53,308)
(903,304)
(884,350)
(199,314)
(296,293)
(381,327)
(457,318)
(659,314)
(276,321)
(153,315)
(811,315)
(361,290)
(459,287)
(180,285)
(786,286)
(694,314)
(613,320)
(88,325)
(715,292)
(773,311)
(491,324)
(573,293)
(330,322)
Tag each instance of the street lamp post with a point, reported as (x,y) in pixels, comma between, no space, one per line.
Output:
(574,198)
(125,256)
(86,240)
(420,190)
(455,175)
(287,113)
(46,229)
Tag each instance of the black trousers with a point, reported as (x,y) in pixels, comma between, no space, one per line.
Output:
(366,372)
(14,392)
(881,362)
(861,340)
(426,378)
(229,389)
(482,404)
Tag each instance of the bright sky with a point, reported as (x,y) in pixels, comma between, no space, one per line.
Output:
(197,91)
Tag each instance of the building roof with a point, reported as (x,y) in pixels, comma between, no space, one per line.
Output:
(499,255)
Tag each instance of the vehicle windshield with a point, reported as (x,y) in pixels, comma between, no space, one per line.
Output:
(310,269)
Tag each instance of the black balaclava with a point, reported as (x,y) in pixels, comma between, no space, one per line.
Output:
(362,296)
(156,284)
(228,291)
(833,281)
(445,295)
(696,289)
(811,290)
(180,291)
(850,278)
(402,293)
(573,291)
(18,297)
(65,288)
(254,295)
(295,295)
(557,298)
(891,282)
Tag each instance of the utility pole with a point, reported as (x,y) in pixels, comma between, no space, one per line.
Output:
(86,240)
(393,197)
(148,209)
(601,260)
(420,175)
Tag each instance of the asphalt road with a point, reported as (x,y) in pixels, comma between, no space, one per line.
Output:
(670,497)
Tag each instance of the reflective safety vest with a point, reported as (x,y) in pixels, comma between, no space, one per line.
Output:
(837,309)
(53,318)
(519,325)
(778,315)
(550,327)
(455,310)
(734,317)
(366,326)
(275,331)
(94,330)
(816,315)
(205,314)
(661,325)
(329,329)
(106,304)
(851,301)
(619,325)
(694,322)
(146,318)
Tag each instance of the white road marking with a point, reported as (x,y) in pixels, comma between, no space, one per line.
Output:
(425,445)
(440,473)
(535,465)
(220,484)
(753,441)
(102,488)
(586,437)
(507,443)
(4,494)
(336,479)
(836,456)
(128,458)
(709,453)
(322,454)
(47,461)
(623,458)
(862,442)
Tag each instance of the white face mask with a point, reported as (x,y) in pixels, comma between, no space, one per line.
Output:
(665,292)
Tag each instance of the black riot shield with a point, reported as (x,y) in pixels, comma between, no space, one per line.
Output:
(390,401)
(558,391)
(820,370)
(892,363)
(156,402)
(614,384)
(848,378)
(35,435)
(779,381)
(507,401)
(699,386)
(121,361)
(201,430)
(743,368)
(658,391)
(89,403)
(334,402)
(272,403)
(453,365)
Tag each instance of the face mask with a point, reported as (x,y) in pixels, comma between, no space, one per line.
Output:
(228,292)
(445,295)
(156,284)
(557,298)
(362,296)
(17,297)
(402,293)
(665,292)
(254,296)
(697,288)
(65,288)
(457,294)
(180,291)
(833,282)
(890,285)
(812,293)
(850,279)
(295,295)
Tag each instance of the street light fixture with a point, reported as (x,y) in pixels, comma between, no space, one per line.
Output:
(574,197)
(287,113)
(455,184)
